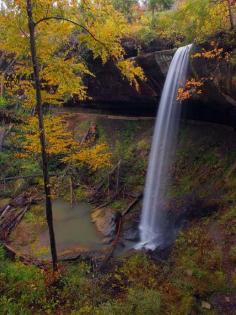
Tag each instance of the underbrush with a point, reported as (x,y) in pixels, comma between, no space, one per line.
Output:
(201,263)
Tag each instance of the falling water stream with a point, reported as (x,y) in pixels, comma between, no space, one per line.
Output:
(156,229)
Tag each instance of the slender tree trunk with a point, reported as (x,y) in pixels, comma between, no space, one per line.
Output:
(230,14)
(39,110)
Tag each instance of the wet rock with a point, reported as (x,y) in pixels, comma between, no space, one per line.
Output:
(105,221)
(110,91)
(107,240)
(131,234)
(130,46)
(157,44)
(160,254)
(191,207)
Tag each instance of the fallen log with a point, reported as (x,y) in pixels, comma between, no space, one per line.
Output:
(132,204)
(5,179)
(12,254)
(12,214)
(119,223)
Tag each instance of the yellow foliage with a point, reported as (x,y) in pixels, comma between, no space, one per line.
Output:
(128,69)
(60,141)
(193,20)
(94,157)
(95,25)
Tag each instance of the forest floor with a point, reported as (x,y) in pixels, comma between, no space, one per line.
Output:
(199,275)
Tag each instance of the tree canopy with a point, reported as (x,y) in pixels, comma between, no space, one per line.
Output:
(61,27)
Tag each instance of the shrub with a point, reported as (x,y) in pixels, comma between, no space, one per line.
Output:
(3,102)
(138,302)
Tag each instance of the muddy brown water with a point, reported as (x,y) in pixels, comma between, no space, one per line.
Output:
(73,228)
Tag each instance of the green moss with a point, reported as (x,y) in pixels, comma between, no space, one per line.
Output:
(36,215)
(81,194)
(119,204)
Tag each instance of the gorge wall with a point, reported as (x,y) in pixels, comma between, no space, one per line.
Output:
(217,103)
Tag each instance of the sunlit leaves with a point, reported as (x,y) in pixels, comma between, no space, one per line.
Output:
(62,28)
(58,138)
(128,69)
(214,53)
(192,87)
(194,19)
(195,87)
(60,142)
(95,157)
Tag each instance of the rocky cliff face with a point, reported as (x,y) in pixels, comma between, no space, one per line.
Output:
(217,102)
(110,90)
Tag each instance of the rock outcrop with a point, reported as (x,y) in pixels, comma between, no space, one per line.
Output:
(216,104)
(109,90)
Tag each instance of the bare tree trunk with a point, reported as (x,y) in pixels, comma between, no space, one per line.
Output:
(230,14)
(39,110)
(2,136)
(71,191)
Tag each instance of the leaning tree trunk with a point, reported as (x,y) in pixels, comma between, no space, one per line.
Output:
(39,110)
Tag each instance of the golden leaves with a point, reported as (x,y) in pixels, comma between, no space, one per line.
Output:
(209,54)
(194,19)
(58,138)
(131,72)
(60,142)
(95,157)
(62,71)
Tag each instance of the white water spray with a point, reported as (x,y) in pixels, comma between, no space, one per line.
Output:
(156,230)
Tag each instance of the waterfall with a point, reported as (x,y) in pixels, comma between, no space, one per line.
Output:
(156,227)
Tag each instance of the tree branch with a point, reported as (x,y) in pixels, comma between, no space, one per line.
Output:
(61,18)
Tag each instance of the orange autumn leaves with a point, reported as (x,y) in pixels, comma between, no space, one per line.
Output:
(193,86)
(214,53)
(60,142)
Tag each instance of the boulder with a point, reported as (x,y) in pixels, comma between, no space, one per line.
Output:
(105,221)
